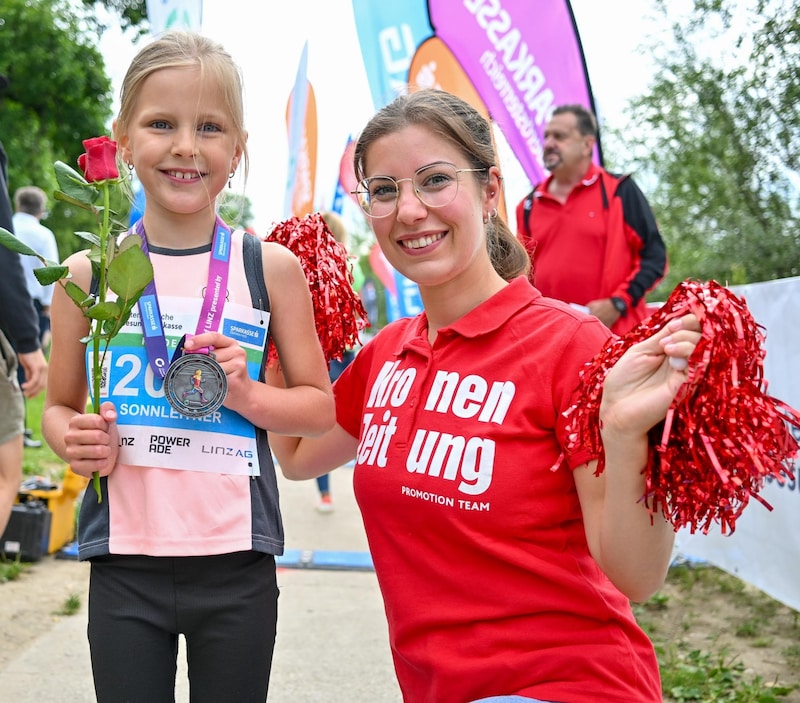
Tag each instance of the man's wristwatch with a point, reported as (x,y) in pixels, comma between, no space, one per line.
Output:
(620,306)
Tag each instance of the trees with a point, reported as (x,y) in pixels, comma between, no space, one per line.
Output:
(131,13)
(58,95)
(719,137)
(58,91)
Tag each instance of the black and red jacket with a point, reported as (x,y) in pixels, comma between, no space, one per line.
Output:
(603,242)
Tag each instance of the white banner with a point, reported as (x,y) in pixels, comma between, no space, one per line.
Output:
(764,550)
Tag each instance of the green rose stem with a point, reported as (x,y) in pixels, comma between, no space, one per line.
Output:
(97,368)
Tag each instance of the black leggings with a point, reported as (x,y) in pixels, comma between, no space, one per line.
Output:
(226,606)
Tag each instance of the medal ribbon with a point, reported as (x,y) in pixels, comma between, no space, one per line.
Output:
(213,300)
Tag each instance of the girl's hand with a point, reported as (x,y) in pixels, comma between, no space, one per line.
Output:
(641,386)
(231,357)
(92,442)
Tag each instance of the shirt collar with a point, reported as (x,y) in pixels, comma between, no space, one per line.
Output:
(485,319)
(591,175)
(589,178)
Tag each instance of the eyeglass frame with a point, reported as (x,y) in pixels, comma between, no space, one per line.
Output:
(398,181)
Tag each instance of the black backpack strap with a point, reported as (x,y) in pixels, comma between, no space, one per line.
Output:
(620,178)
(254,272)
(603,193)
(527,206)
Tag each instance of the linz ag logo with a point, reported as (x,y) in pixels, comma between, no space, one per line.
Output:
(226,451)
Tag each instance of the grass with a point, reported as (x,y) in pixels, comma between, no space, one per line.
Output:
(10,569)
(35,462)
(705,623)
(43,461)
(71,605)
(708,677)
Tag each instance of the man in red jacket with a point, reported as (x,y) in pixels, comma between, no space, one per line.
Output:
(592,236)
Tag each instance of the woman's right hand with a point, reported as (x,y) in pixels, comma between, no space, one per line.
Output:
(92,442)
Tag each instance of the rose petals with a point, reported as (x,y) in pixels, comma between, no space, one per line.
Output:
(99,163)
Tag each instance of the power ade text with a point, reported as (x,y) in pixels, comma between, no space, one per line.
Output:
(163,444)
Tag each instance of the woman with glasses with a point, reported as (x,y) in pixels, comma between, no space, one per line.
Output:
(506,566)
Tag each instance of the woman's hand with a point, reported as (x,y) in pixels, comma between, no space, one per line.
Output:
(641,386)
(92,442)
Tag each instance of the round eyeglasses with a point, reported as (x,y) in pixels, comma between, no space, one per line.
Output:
(436,185)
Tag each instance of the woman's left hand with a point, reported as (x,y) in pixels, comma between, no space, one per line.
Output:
(640,387)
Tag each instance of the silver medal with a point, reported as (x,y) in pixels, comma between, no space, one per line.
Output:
(195,385)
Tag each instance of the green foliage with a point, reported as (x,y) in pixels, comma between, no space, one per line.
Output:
(236,210)
(42,461)
(121,266)
(718,136)
(10,570)
(71,605)
(744,619)
(131,13)
(59,94)
(711,678)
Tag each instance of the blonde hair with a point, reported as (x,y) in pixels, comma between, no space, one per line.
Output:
(181,49)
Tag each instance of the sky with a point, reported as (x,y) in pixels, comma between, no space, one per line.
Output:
(268,51)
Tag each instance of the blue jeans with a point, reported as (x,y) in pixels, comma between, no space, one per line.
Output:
(323,483)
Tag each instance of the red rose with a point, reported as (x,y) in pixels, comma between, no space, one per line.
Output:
(99,163)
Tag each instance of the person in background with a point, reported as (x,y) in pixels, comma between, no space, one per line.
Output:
(369,295)
(30,208)
(30,205)
(185,538)
(336,366)
(591,235)
(506,565)
(19,345)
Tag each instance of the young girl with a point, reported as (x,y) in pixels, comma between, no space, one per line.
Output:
(506,568)
(185,537)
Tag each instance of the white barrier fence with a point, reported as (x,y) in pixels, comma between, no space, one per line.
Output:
(764,549)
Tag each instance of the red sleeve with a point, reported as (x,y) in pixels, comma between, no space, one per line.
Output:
(349,391)
(589,339)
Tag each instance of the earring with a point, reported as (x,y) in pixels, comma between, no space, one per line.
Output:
(486,219)
(230,178)
(130,167)
(493,213)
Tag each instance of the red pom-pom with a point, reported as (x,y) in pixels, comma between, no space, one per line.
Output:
(723,435)
(339,314)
